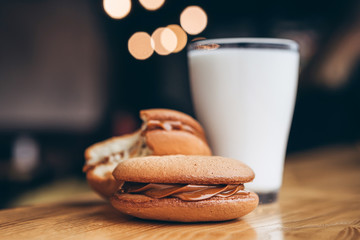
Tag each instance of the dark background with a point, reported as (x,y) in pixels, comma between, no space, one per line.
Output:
(67,79)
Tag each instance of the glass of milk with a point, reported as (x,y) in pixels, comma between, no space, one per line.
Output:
(244,91)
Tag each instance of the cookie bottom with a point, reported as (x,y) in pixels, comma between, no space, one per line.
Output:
(174,209)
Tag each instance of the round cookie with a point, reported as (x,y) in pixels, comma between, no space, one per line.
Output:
(176,210)
(184,169)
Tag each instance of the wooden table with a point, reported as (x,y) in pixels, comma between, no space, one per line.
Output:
(320,199)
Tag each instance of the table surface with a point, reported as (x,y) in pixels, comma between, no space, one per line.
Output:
(320,199)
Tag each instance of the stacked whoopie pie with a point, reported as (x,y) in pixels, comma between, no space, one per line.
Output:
(184,188)
(165,171)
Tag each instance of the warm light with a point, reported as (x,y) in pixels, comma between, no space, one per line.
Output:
(180,35)
(117,9)
(151,5)
(193,20)
(140,45)
(165,41)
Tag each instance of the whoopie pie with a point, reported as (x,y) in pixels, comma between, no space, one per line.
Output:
(183,188)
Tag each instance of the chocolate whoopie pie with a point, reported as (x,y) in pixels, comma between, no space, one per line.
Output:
(184,188)
(163,132)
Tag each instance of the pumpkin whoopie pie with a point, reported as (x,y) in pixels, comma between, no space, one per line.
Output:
(183,188)
(163,132)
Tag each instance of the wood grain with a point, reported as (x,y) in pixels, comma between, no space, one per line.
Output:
(320,199)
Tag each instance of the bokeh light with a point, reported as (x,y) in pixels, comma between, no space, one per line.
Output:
(140,45)
(193,20)
(165,41)
(180,35)
(117,9)
(152,5)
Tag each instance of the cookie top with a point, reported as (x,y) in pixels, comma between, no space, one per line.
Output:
(183,170)
(176,142)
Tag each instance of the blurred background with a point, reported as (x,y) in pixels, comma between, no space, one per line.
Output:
(76,72)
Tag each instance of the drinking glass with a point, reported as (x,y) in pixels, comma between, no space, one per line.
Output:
(244,91)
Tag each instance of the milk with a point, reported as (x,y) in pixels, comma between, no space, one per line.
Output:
(244,97)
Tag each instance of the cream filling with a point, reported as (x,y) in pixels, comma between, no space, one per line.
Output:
(105,158)
(186,192)
(103,170)
(112,147)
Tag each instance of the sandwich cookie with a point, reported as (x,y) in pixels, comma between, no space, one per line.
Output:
(163,132)
(184,188)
